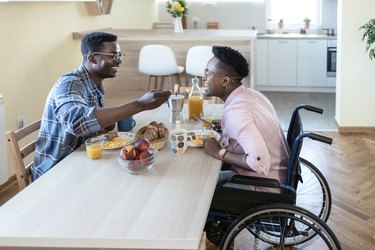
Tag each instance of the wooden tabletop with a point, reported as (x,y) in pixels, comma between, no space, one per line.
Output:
(82,203)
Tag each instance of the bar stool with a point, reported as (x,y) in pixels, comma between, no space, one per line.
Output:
(158,60)
(197,58)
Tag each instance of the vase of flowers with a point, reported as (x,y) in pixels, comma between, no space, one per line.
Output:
(178,9)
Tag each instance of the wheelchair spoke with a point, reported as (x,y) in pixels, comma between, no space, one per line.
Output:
(314,193)
(279,229)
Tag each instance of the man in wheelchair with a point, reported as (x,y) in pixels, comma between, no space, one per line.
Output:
(294,203)
(253,142)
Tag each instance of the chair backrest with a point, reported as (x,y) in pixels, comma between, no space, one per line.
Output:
(157,60)
(19,153)
(295,128)
(294,139)
(197,58)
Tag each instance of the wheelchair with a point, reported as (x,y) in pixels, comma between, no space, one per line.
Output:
(294,218)
(313,192)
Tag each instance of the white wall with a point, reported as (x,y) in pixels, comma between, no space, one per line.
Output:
(355,101)
(36,47)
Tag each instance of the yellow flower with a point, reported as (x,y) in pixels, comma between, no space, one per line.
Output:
(177,8)
(176,5)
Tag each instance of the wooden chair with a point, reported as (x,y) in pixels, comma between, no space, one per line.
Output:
(19,153)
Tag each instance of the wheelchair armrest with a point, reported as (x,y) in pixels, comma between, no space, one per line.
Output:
(255,181)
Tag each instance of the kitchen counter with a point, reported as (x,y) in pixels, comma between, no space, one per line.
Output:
(191,34)
(295,36)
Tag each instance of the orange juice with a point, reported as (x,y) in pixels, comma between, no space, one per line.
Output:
(94,151)
(195,106)
(205,125)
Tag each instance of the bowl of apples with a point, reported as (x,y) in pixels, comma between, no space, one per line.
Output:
(137,157)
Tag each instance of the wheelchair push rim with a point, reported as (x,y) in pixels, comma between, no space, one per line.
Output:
(277,226)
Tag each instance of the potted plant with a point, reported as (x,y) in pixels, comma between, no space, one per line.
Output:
(369,37)
(281,23)
(307,22)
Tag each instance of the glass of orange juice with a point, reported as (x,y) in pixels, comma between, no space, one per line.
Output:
(195,104)
(208,116)
(94,147)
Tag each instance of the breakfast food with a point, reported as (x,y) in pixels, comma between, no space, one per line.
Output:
(198,137)
(115,141)
(136,151)
(153,131)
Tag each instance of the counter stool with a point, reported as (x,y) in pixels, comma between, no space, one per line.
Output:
(197,58)
(158,60)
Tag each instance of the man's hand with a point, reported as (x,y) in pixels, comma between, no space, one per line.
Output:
(212,147)
(154,98)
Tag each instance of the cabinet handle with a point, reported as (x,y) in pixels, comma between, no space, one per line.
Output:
(282,41)
(312,41)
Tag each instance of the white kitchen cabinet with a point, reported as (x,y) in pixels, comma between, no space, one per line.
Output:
(312,60)
(292,64)
(282,62)
(261,62)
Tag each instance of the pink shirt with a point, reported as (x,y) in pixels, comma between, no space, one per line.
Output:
(250,119)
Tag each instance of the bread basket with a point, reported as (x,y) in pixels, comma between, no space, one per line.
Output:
(158,143)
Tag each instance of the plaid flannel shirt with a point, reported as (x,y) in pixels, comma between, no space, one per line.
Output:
(68,119)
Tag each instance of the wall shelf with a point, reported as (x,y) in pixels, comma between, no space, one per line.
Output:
(99,7)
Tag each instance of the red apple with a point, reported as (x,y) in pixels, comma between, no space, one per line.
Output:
(128,153)
(142,144)
(144,155)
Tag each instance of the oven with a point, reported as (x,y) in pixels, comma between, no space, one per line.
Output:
(331,58)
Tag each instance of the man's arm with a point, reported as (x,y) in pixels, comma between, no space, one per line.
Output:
(150,100)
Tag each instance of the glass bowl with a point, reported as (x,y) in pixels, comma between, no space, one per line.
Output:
(138,166)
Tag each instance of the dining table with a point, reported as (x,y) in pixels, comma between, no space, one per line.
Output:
(82,203)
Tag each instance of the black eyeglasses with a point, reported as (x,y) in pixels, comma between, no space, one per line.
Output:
(208,74)
(115,56)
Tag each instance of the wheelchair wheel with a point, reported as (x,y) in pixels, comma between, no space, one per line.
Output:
(279,226)
(314,193)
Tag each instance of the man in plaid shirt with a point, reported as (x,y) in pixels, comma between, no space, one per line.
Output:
(75,109)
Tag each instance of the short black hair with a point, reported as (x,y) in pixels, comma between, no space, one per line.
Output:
(93,42)
(232,58)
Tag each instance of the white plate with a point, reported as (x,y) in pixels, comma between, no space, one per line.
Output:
(126,138)
(203,133)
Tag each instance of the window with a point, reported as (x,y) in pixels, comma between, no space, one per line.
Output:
(294,11)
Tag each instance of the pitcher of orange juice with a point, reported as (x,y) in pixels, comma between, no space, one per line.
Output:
(195,101)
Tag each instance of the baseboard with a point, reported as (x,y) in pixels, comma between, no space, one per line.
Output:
(356,129)
(8,182)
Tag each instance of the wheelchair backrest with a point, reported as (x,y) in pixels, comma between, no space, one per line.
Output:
(294,139)
(295,129)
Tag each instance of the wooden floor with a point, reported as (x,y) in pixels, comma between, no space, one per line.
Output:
(349,166)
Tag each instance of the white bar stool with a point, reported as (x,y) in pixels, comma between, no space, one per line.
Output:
(158,60)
